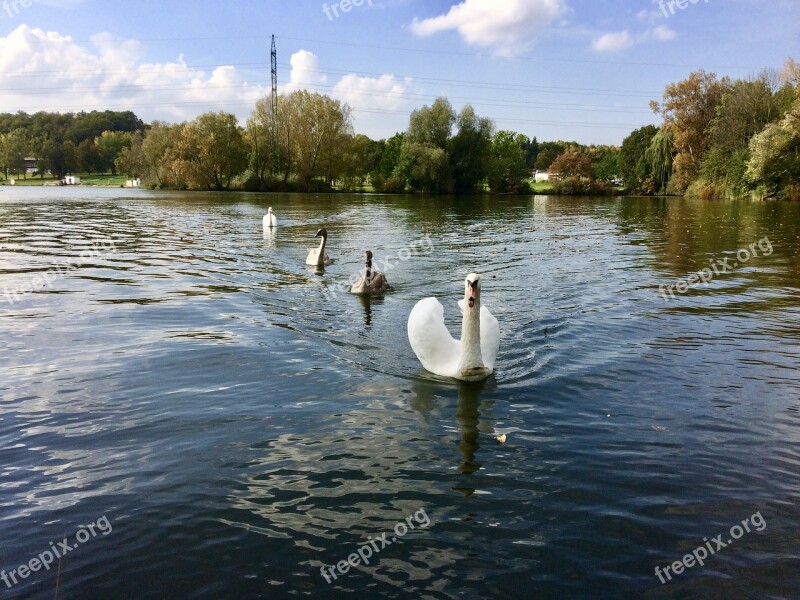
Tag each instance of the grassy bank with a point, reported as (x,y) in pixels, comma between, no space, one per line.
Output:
(86,179)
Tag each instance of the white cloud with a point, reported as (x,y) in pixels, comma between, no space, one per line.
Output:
(613,42)
(622,40)
(649,17)
(48,71)
(662,33)
(384,92)
(372,98)
(305,71)
(507,27)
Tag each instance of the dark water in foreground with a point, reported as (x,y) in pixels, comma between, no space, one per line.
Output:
(239,423)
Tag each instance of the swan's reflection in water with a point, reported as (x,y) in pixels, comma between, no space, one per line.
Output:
(270,237)
(468,416)
(367,302)
(473,417)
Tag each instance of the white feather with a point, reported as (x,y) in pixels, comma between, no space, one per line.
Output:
(436,348)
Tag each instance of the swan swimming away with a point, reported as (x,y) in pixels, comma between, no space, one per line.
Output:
(269,219)
(317,256)
(470,359)
(372,281)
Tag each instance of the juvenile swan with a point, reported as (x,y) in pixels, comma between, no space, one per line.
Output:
(372,281)
(317,256)
(269,219)
(470,359)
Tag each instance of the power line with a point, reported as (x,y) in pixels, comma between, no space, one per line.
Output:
(517,58)
(257,66)
(418,50)
(361,109)
(575,107)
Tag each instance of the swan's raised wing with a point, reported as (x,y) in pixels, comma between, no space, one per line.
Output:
(431,341)
(490,337)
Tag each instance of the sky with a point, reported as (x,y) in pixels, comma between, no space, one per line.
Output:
(582,70)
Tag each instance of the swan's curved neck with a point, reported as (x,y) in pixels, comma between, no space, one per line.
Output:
(471,357)
(322,243)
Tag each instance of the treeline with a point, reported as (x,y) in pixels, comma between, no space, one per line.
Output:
(309,145)
(721,138)
(63,143)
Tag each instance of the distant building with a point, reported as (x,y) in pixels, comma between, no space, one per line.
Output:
(133,183)
(31,165)
(545,177)
(72,180)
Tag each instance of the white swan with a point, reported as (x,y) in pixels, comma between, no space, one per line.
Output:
(470,359)
(317,256)
(269,219)
(372,281)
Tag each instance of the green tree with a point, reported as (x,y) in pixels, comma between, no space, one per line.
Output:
(509,166)
(110,145)
(745,109)
(432,125)
(131,160)
(424,160)
(605,162)
(390,155)
(70,152)
(159,153)
(688,109)
(660,159)
(88,126)
(88,157)
(211,151)
(633,166)
(548,152)
(310,125)
(533,153)
(360,157)
(50,157)
(775,156)
(425,167)
(572,163)
(470,151)
(261,135)
(14,147)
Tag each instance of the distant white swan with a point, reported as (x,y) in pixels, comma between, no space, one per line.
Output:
(470,359)
(269,219)
(372,281)
(317,256)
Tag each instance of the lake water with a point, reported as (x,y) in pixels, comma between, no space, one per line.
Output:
(229,421)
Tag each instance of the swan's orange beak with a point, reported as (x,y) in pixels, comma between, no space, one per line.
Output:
(473,293)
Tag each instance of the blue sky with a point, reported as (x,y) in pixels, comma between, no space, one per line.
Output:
(557,69)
